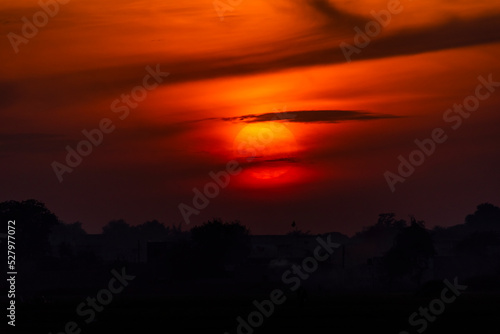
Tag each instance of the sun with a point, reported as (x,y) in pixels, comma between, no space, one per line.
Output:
(266,149)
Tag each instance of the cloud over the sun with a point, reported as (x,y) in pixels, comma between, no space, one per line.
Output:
(311,116)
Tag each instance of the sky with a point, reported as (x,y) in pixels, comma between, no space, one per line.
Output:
(303,107)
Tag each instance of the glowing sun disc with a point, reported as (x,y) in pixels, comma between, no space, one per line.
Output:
(266,149)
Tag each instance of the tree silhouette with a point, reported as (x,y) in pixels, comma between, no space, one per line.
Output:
(486,217)
(34,222)
(64,237)
(298,232)
(412,249)
(219,243)
(121,230)
(478,244)
(386,223)
(151,230)
(117,228)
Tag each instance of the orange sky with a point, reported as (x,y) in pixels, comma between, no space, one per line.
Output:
(264,57)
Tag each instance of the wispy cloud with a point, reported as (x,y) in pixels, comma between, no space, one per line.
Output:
(310,116)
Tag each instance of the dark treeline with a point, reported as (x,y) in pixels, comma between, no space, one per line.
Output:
(390,249)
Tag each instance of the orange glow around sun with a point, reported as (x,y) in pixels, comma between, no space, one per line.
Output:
(266,149)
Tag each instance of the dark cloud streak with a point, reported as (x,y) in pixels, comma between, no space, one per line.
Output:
(317,46)
(310,116)
(299,51)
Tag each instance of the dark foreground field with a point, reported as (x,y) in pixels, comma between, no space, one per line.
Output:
(471,313)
